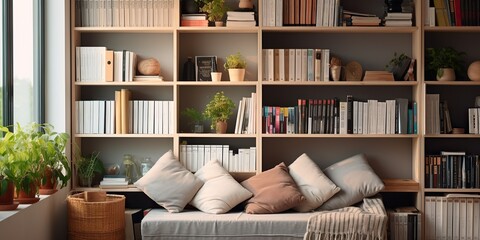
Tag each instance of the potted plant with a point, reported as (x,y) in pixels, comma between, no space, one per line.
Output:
(215,9)
(88,168)
(25,162)
(7,177)
(218,110)
(398,65)
(196,119)
(56,164)
(236,64)
(444,62)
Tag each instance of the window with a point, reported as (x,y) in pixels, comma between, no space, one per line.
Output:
(22,57)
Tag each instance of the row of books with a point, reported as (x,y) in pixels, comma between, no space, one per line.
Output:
(454,216)
(332,116)
(404,223)
(246,115)
(123,116)
(241,19)
(452,170)
(124,13)
(454,13)
(97,64)
(301,13)
(193,157)
(296,64)
(474,120)
(437,115)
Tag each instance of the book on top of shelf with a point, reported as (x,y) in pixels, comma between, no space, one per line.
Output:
(194,16)
(452,153)
(352,13)
(138,78)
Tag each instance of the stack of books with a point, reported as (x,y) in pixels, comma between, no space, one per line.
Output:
(241,19)
(194,20)
(398,19)
(360,19)
(114,181)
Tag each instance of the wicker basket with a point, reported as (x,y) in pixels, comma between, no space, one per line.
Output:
(96,220)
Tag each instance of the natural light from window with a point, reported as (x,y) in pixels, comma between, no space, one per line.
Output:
(23,61)
(1,66)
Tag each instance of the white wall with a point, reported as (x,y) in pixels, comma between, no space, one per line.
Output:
(47,220)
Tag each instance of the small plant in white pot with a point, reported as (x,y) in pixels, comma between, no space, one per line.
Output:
(444,62)
(236,64)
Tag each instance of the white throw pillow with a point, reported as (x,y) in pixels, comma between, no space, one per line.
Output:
(169,184)
(314,185)
(221,192)
(356,180)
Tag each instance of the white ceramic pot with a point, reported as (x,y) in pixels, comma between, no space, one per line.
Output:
(216,76)
(236,74)
(446,74)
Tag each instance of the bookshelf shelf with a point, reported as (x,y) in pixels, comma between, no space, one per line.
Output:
(125,29)
(341,29)
(453,83)
(218,30)
(452,136)
(340,135)
(124,135)
(215,135)
(343,83)
(222,83)
(452,29)
(451,190)
(138,83)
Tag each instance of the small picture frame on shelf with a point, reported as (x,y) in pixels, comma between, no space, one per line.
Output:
(203,67)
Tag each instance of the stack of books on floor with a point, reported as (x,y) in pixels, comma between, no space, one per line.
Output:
(398,19)
(114,181)
(241,19)
(194,20)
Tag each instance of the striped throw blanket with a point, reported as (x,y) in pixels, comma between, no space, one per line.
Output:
(366,222)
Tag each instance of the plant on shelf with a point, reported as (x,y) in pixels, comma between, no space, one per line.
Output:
(218,110)
(196,119)
(88,167)
(235,64)
(7,176)
(398,65)
(444,61)
(215,9)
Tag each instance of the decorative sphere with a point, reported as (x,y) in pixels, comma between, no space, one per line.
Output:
(149,67)
(474,71)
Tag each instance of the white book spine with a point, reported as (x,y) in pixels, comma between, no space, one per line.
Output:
(281,64)
(183,154)
(343,117)
(201,156)
(165,117)
(171,117)
(304,63)
(194,162)
(141,116)
(291,65)
(151,116)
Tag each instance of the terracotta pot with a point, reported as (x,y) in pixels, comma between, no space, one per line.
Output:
(28,197)
(50,185)
(221,127)
(7,197)
(218,23)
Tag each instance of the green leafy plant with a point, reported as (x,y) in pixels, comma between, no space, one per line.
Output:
(88,166)
(195,116)
(21,156)
(396,61)
(53,154)
(445,57)
(219,109)
(235,61)
(215,9)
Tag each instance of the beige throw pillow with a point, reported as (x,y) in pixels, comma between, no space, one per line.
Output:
(273,191)
(169,184)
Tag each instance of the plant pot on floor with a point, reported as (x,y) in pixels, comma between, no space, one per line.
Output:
(236,74)
(6,197)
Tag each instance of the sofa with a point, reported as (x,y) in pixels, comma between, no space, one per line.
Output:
(298,201)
